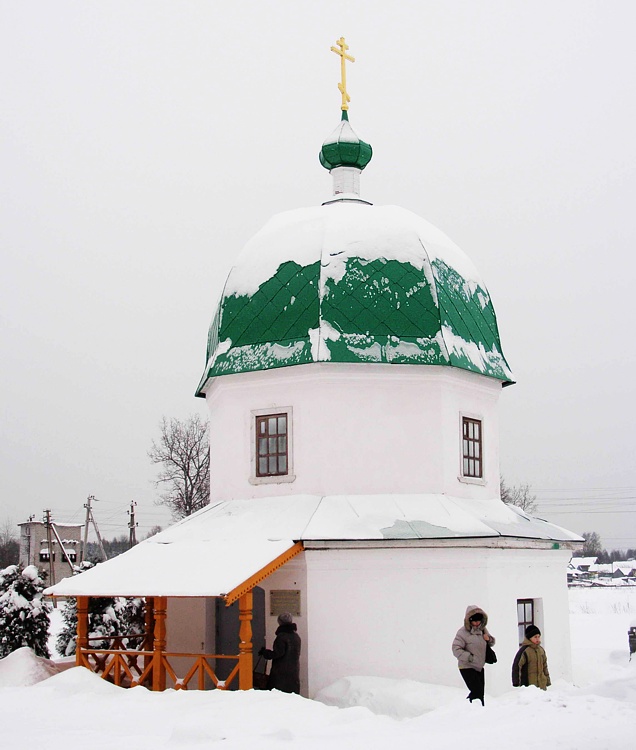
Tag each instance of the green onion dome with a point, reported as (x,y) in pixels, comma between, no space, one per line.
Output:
(343,148)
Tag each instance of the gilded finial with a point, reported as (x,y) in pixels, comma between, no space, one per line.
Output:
(341,50)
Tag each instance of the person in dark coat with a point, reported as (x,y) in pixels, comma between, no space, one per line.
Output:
(285,656)
(530,665)
(469,648)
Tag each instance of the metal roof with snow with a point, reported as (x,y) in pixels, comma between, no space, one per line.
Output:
(353,282)
(225,548)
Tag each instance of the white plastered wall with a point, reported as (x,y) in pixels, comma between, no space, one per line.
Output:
(394,612)
(371,429)
(356,429)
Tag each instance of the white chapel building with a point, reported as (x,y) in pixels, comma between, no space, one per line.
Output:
(353,377)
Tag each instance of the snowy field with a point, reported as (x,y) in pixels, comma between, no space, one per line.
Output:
(598,712)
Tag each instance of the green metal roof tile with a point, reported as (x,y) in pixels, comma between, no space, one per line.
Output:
(420,311)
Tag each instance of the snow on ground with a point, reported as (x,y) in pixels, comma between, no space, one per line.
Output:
(599,620)
(598,712)
(22,668)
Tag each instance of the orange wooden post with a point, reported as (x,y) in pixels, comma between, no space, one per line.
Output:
(245,646)
(158,668)
(82,629)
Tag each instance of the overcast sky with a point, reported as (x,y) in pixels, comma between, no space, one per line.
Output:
(143,143)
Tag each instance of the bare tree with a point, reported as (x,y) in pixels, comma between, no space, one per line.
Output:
(183,453)
(9,544)
(521,496)
(504,491)
(153,531)
(593,546)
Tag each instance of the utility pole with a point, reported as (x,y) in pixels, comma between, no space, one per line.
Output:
(132,535)
(30,520)
(87,505)
(90,518)
(99,537)
(49,541)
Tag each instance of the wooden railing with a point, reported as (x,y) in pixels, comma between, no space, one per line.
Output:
(152,664)
(120,667)
(126,668)
(200,669)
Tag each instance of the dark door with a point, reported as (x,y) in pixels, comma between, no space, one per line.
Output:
(227,632)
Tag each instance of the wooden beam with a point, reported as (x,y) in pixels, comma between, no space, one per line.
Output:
(246,663)
(262,574)
(82,629)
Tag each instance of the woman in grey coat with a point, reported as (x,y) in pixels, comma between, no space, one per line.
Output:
(469,648)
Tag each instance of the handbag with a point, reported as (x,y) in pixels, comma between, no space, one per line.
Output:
(259,679)
(491,656)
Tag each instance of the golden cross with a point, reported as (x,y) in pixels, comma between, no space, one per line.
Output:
(342,86)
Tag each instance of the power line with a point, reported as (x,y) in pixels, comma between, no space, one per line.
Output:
(604,511)
(587,508)
(623,538)
(585,511)
(584,489)
(588,498)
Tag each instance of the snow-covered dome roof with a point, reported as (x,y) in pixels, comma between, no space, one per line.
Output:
(352,282)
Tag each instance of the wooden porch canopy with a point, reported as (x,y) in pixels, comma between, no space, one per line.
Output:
(183,568)
(157,571)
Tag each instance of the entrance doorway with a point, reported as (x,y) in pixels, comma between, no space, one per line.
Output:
(227,624)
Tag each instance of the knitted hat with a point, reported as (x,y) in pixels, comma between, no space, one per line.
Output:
(531,631)
(284,618)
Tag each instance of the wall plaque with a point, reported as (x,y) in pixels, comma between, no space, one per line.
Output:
(284,600)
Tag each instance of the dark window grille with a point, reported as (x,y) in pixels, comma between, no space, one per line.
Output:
(271,445)
(525,616)
(472,454)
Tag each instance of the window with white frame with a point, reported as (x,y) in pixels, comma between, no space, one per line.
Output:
(525,616)
(271,445)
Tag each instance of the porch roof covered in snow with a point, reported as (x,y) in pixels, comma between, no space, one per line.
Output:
(184,568)
(227,548)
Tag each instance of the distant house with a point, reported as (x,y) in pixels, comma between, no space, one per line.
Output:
(586,569)
(582,568)
(626,569)
(604,570)
(42,548)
